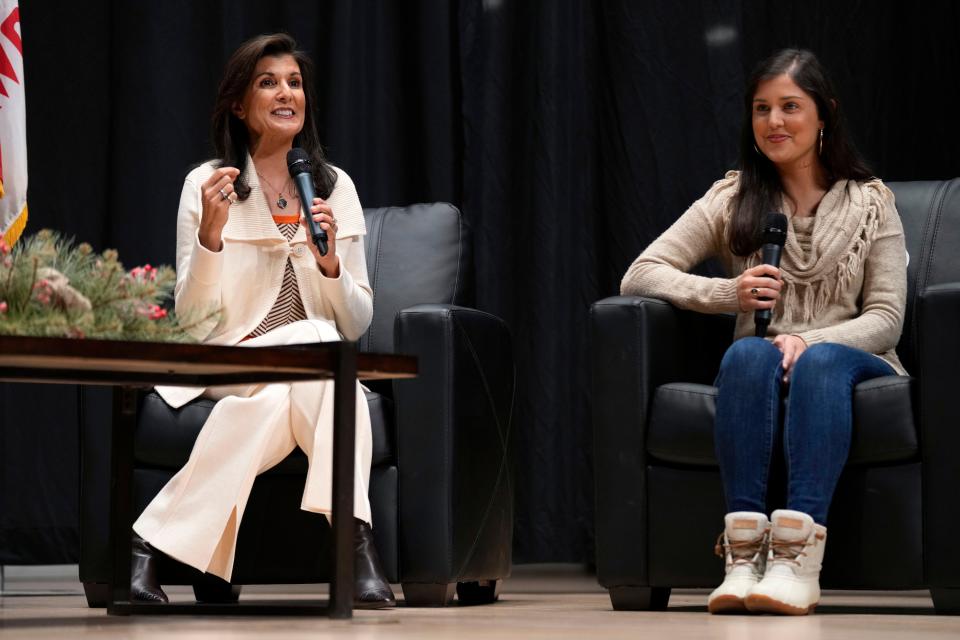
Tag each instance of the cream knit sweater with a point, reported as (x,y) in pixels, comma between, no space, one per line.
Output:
(845,275)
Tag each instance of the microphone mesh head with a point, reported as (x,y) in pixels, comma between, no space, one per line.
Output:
(298,161)
(775,229)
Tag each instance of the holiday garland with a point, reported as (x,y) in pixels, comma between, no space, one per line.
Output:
(51,287)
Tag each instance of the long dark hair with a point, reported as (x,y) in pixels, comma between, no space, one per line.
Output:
(759,188)
(230,137)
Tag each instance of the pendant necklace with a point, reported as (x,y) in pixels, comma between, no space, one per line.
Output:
(281,201)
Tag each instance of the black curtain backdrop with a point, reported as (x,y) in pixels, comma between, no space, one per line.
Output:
(570,133)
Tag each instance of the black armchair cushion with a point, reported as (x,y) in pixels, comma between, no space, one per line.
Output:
(681,423)
(165,436)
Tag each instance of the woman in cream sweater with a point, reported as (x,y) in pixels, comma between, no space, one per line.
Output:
(242,251)
(837,302)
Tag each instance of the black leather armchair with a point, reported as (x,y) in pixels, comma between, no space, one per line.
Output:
(894,516)
(441,480)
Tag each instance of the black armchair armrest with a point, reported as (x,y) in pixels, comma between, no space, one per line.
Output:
(454,445)
(637,345)
(938,354)
(632,341)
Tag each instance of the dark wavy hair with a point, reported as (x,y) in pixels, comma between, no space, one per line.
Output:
(760,189)
(230,137)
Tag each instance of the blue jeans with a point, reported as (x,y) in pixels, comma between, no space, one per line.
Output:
(816,429)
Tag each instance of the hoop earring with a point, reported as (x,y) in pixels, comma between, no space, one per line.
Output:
(820,150)
(756,149)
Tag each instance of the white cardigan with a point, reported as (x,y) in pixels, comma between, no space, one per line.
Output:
(240,283)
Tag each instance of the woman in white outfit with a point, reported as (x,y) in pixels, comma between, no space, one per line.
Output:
(248,273)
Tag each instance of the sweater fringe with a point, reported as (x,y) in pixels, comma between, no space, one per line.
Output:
(801,300)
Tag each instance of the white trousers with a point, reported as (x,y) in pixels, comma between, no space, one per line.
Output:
(196,516)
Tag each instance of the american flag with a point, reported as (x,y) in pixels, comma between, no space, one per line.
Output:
(13,126)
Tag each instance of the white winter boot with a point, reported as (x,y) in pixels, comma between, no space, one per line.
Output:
(743,546)
(791,583)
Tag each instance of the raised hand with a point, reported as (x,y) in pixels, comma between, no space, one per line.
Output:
(217,194)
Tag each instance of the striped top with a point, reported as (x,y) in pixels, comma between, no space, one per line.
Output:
(288,307)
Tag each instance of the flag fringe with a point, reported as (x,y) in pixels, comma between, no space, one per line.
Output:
(12,234)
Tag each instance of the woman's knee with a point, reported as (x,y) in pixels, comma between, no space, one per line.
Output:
(822,359)
(750,354)
(308,331)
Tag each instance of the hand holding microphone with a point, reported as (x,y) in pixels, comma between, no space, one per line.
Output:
(319,218)
(759,288)
(774,237)
(298,164)
(322,216)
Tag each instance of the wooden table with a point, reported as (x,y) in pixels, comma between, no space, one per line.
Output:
(128,366)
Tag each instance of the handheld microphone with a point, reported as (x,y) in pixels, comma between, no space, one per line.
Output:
(774,237)
(298,164)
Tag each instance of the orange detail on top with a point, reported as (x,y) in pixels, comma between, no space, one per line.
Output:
(291,219)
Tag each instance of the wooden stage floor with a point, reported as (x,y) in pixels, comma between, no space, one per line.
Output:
(539,601)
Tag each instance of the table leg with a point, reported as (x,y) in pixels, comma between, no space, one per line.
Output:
(121,494)
(344,428)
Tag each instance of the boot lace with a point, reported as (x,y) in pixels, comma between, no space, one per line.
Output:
(788,550)
(741,551)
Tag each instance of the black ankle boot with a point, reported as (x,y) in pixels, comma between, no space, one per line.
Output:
(144,585)
(370,587)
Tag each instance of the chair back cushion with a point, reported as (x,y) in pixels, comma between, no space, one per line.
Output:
(930,212)
(415,255)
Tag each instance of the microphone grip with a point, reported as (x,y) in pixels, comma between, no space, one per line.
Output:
(319,237)
(304,183)
(771,254)
(762,317)
(761,324)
